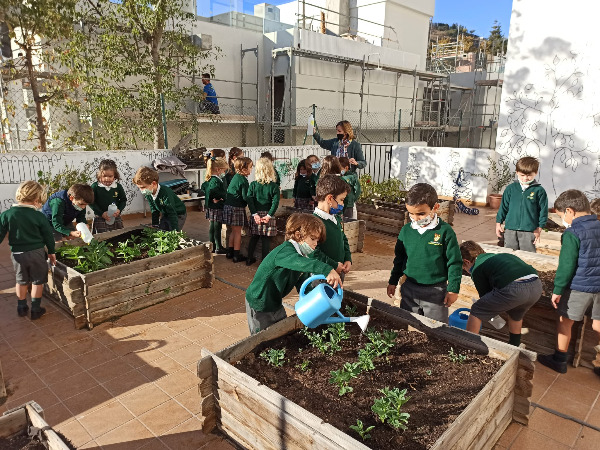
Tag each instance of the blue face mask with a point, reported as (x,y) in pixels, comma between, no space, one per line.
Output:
(316,166)
(344,172)
(337,210)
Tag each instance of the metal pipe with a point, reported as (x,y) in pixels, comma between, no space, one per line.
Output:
(242,77)
(273,57)
(291,74)
(414,107)
(362,84)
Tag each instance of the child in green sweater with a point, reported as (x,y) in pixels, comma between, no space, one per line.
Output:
(524,208)
(288,265)
(168,211)
(107,190)
(263,201)
(64,207)
(334,250)
(28,233)
(352,179)
(505,285)
(214,196)
(234,211)
(427,253)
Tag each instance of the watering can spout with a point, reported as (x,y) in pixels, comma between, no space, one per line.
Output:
(361,321)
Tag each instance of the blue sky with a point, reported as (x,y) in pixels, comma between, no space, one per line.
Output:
(472,14)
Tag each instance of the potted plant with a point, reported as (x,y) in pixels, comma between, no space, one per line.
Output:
(499,175)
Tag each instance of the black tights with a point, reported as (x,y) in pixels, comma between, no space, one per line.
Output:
(214,234)
(265,242)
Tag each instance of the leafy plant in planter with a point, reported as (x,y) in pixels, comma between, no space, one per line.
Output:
(361,430)
(127,253)
(389,407)
(342,377)
(391,190)
(90,258)
(65,178)
(276,358)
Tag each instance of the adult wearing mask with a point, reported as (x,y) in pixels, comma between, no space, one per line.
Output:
(344,145)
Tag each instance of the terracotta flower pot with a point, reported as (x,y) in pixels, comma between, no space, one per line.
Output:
(494,200)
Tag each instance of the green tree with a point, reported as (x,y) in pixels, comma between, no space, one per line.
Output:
(36,26)
(139,58)
(496,41)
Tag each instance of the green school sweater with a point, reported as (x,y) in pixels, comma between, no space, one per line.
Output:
(237,191)
(523,210)
(278,273)
(263,197)
(168,204)
(567,262)
(335,248)
(57,206)
(303,187)
(497,271)
(355,191)
(314,178)
(214,189)
(428,258)
(27,228)
(103,198)
(277,178)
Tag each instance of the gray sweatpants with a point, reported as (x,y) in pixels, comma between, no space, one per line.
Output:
(427,300)
(519,240)
(166,225)
(259,320)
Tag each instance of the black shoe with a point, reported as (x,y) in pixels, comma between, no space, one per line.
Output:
(239,258)
(22,310)
(550,362)
(229,254)
(35,315)
(250,261)
(220,251)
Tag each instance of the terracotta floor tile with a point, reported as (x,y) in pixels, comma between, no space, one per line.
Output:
(105,419)
(113,335)
(61,371)
(199,332)
(23,386)
(588,439)
(594,415)
(580,398)
(542,380)
(83,346)
(582,375)
(174,343)
(57,414)
(165,417)
(125,382)
(126,346)
(109,370)
(70,386)
(131,435)
(239,331)
(88,401)
(43,397)
(205,312)
(178,382)
(150,352)
(92,445)
(167,314)
(70,337)
(159,368)
(227,320)
(230,304)
(187,435)
(41,347)
(183,323)
(15,369)
(532,440)
(75,432)
(219,444)
(157,333)
(94,358)
(217,342)
(555,427)
(144,399)
(41,362)
(509,434)
(154,444)
(187,354)
(190,400)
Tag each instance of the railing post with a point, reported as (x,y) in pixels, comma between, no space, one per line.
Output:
(399,124)
(460,117)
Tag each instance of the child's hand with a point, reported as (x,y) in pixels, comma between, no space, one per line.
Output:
(257,219)
(266,219)
(105,215)
(499,229)
(117,213)
(391,290)
(340,268)
(353,162)
(450,298)
(52,258)
(216,200)
(334,279)
(75,234)
(555,300)
(347,266)
(537,232)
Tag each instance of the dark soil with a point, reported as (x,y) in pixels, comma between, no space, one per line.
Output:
(439,389)
(24,442)
(551,225)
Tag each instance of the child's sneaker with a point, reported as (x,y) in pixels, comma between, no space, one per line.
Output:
(550,362)
(22,310)
(220,251)
(35,315)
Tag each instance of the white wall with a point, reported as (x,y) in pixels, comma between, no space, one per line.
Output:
(550,106)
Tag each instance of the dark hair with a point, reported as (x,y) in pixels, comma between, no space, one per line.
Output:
(235,152)
(331,184)
(344,161)
(108,164)
(82,192)
(574,199)
(242,163)
(206,75)
(528,165)
(470,250)
(421,193)
(301,164)
(267,155)
(331,166)
(595,206)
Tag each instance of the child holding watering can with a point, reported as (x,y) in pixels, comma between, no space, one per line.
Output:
(504,283)
(286,266)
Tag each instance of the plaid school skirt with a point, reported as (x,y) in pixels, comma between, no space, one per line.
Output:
(263,229)
(99,225)
(214,214)
(235,216)
(303,203)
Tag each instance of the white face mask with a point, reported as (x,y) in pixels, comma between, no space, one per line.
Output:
(565,224)
(146,192)
(422,222)
(305,249)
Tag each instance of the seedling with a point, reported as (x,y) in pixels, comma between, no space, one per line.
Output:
(317,340)
(428,372)
(276,358)
(351,311)
(328,341)
(456,357)
(388,408)
(363,432)
(343,376)
(127,253)
(304,365)
(94,256)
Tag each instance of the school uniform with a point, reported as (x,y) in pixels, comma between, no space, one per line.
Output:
(263,200)
(335,249)
(104,196)
(234,211)
(168,211)
(214,189)
(350,200)
(303,192)
(61,213)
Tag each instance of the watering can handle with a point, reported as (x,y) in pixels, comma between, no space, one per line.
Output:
(310,280)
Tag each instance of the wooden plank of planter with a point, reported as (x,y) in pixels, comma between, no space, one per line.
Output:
(2,385)
(66,276)
(12,422)
(495,427)
(54,441)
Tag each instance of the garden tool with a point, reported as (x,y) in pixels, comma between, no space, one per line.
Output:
(316,307)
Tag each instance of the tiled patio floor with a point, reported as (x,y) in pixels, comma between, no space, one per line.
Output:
(131,383)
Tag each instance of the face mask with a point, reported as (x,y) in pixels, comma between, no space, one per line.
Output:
(316,166)
(336,210)
(77,207)
(423,222)
(565,224)
(305,249)
(344,172)
(302,174)
(340,136)
(221,175)
(146,192)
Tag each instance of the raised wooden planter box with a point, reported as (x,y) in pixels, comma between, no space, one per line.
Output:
(115,291)
(18,420)
(257,417)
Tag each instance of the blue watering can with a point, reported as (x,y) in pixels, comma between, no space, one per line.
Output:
(459,318)
(316,307)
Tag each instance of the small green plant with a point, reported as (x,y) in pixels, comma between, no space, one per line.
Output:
(92,257)
(65,178)
(160,242)
(276,358)
(167,290)
(389,407)
(328,341)
(456,357)
(304,365)
(428,372)
(499,174)
(126,252)
(391,190)
(351,311)
(316,340)
(363,432)
(342,377)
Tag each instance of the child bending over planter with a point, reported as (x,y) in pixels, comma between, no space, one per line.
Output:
(288,265)
(334,250)
(214,196)
(577,279)
(524,208)
(352,179)
(28,233)
(263,200)
(303,187)
(63,207)
(427,253)
(505,285)
(107,190)
(234,211)
(168,211)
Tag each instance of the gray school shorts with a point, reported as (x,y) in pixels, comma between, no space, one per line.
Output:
(515,299)
(31,267)
(259,320)
(519,240)
(574,304)
(166,225)
(427,300)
